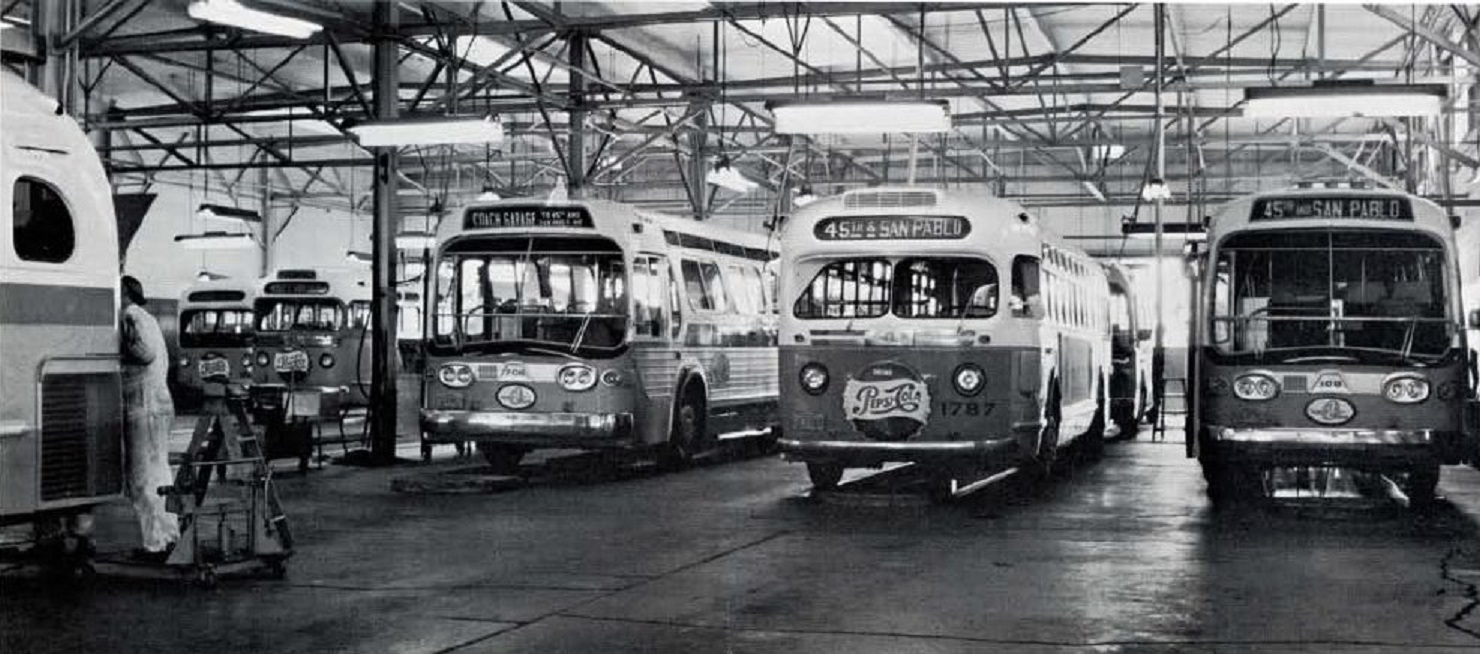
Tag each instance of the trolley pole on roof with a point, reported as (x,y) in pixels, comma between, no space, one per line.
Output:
(1159,346)
(382,246)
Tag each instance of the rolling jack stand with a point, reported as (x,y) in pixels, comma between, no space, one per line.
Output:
(227,532)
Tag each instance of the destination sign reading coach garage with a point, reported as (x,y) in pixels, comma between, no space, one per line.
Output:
(1359,207)
(892,228)
(514,216)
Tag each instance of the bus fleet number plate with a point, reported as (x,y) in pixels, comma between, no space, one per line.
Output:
(296,361)
(212,368)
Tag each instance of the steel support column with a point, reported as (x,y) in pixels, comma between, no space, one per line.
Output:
(383,246)
(575,159)
(50,25)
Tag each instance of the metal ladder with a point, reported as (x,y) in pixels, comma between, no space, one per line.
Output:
(1159,430)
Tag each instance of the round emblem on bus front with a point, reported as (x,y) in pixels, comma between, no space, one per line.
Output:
(515,396)
(1330,410)
(887,401)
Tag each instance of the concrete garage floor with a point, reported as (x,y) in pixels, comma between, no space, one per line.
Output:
(1121,556)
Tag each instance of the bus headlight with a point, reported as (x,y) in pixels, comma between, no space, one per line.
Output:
(246,361)
(1256,387)
(455,375)
(1406,389)
(813,378)
(326,361)
(263,359)
(577,378)
(968,379)
(184,362)
(611,377)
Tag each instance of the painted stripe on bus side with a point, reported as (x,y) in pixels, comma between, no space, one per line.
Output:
(47,304)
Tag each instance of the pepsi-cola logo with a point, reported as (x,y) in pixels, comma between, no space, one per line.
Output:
(887,401)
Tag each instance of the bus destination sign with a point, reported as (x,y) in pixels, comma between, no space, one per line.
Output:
(510,217)
(1361,207)
(892,228)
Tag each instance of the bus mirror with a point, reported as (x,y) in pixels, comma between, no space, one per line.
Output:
(1474,318)
(1143,334)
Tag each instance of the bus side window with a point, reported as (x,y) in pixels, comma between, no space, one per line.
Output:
(772,289)
(675,309)
(42,229)
(1027,301)
(649,291)
(714,288)
(693,286)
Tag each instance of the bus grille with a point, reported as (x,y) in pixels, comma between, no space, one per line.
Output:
(888,199)
(81,436)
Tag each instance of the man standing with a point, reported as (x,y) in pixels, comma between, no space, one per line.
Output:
(150,412)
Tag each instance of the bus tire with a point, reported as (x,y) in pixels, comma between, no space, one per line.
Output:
(1048,438)
(1093,440)
(1420,486)
(1230,483)
(824,476)
(503,459)
(686,435)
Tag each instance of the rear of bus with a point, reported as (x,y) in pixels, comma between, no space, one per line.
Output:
(216,326)
(310,357)
(1331,336)
(899,342)
(527,338)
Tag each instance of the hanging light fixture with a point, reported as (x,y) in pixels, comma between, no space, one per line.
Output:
(216,241)
(861,117)
(1156,189)
(415,240)
(357,256)
(804,197)
(208,276)
(235,14)
(1342,98)
(488,194)
(724,175)
(223,212)
(429,131)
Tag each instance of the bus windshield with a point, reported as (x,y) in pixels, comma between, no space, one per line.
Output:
(571,302)
(914,287)
(1358,296)
(216,327)
(293,314)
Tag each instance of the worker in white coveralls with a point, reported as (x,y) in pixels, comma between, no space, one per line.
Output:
(150,412)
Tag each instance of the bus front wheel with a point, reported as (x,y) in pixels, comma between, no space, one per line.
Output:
(687,433)
(824,476)
(503,459)
(1421,484)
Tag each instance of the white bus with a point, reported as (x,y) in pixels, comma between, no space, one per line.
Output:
(595,325)
(1329,332)
(215,329)
(312,342)
(938,327)
(61,415)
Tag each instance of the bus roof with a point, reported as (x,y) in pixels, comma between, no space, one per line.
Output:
(220,293)
(1238,215)
(996,225)
(630,227)
(344,285)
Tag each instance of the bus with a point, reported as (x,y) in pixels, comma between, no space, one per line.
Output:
(1130,355)
(595,325)
(1328,332)
(896,346)
(216,324)
(61,398)
(312,344)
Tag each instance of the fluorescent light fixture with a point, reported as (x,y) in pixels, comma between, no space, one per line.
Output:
(223,212)
(434,131)
(1156,190)
(415,241)
(235,14)
(804,197)
(488,194)
(208,276)
(1332,100)
(1106,152)
(724,175)
(358,257)
(861,117)
(216,241)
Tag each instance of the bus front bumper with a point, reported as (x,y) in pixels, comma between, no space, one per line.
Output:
(582,430)
(1354,447)
(869,453)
